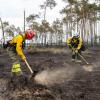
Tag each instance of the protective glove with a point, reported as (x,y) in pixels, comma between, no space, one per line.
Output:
(73,49)
(23,58)
(70,46)
(76,51)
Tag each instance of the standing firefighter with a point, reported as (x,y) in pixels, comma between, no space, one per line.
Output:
(76,44)
(14,49)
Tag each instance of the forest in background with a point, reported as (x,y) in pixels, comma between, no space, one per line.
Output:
(78,16)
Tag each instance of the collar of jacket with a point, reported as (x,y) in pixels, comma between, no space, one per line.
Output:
(23,35)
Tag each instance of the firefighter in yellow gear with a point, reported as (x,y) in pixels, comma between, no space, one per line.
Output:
(75,43)
(15,50)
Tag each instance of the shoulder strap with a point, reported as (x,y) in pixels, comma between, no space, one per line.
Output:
(23,44)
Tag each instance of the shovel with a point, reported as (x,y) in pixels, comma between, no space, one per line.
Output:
(32,72)
(82,57)
(88,66)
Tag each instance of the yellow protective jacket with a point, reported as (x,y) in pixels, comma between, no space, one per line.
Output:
(18,40)
(79,44)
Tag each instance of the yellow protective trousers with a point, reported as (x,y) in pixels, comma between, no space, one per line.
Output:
(16,67)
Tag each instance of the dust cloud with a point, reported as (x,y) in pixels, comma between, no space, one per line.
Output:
(88,68)
(56,76)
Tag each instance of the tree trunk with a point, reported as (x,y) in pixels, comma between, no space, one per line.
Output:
(91,32)
(2,31)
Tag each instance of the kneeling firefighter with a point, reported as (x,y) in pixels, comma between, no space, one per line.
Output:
(76,44)
(14,48)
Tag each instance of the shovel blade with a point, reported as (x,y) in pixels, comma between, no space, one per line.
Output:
(33,75)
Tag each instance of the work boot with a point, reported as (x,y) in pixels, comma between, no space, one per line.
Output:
(78,61)
(20,73)
(13,74)
(17,82)
(73,60)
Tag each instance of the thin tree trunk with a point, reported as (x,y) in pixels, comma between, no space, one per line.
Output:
(24,21)
(42,39)
(91,31)
(66,30)
(51,39)
(44,20)
(2,30)
(82,35)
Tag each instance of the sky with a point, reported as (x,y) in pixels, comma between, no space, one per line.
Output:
(12,10)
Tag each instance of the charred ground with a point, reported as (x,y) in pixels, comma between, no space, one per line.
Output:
(83,85)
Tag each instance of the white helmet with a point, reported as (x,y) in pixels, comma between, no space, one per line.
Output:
(76,35)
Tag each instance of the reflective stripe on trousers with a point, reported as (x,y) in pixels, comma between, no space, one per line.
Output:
(16,68)
(14,57)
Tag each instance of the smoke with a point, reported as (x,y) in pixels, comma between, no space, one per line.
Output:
(56,76)
(88,68)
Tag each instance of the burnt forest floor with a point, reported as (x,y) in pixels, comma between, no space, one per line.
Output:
(84,85)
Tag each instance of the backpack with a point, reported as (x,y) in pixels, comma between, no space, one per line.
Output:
(7,44)
(83,47)
(23,43)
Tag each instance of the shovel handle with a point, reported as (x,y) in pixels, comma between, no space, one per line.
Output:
(29,66)
(83,58)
